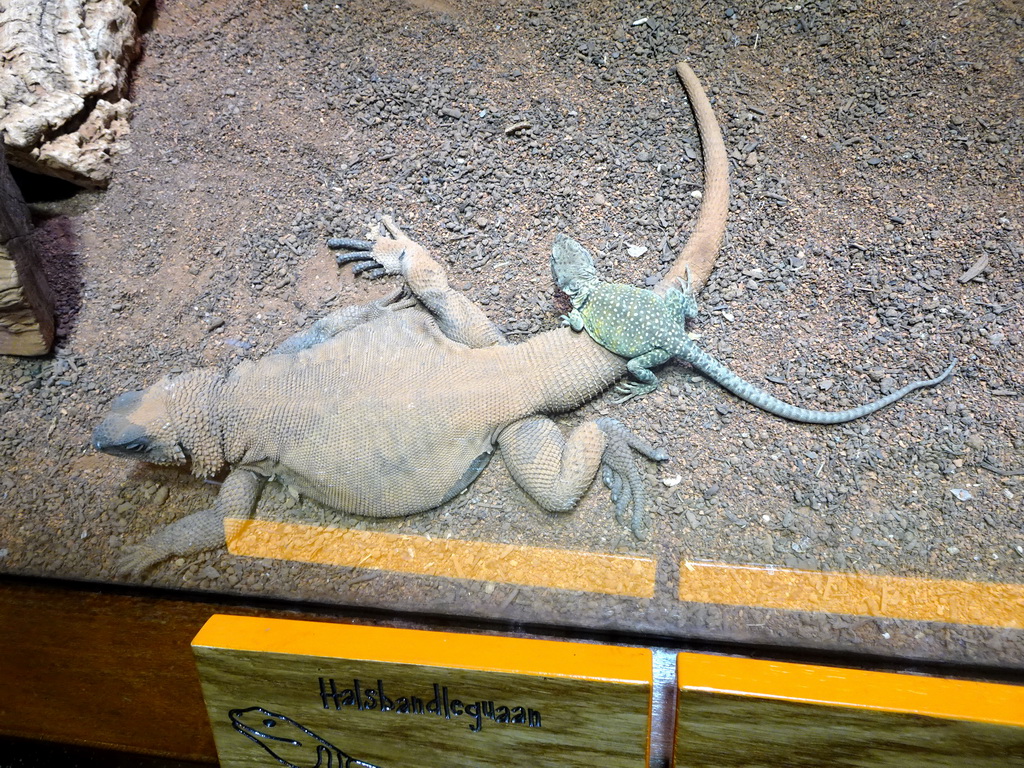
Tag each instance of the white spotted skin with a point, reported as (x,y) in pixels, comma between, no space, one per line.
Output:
(631,321)
(643,327)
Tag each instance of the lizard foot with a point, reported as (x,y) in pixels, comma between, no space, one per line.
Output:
(136,559)
(379,256)
(361,254)
(680,297)
(190,535)
(402,298)
(574,320)
(383,255)
(631,389)
(619,473)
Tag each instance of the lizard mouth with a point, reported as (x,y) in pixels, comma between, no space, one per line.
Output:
(131,442)
(134,443)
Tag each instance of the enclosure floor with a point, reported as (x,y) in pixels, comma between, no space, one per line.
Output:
(876,157)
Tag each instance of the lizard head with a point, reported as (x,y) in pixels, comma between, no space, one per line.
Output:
(281,736)
(572,266)
(164,424)
(139,426)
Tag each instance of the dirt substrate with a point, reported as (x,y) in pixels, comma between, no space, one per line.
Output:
(877,157)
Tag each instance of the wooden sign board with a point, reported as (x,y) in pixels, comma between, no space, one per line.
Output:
(735,712)
(314,694)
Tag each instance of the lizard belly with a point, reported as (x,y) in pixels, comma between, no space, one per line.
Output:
(382,469)
(376,429)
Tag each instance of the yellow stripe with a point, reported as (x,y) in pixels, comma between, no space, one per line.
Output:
(858,689)
(487,653)
(624,575)
(892,597)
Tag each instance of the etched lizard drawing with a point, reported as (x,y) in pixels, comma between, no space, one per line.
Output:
(290,743)
(649,329)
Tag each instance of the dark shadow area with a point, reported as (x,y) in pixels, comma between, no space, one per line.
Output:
(28,753)
(57,245)
(40,188)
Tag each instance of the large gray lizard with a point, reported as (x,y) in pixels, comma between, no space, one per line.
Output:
(395,407)
(382,410)
(649,329)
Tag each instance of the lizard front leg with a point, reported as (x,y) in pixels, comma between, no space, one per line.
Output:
(574,320)
(556,471)
(199,531)
(458,318)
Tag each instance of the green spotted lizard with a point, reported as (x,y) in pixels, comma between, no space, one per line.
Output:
(650,329)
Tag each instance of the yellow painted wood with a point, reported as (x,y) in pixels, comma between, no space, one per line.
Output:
(895,597)
(743,712)
(392,697)
(625,575)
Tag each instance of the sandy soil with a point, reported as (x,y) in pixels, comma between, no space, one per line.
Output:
(877,156)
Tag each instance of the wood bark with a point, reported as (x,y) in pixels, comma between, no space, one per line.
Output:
(26,304)
(63,110)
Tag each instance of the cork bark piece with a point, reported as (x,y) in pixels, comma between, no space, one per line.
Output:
(62,87)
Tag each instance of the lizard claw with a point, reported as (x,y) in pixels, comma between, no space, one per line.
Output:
(619,473)
(631,389)
(376,257)
(626,393)
(349,244)
(686,282)
(136,560)
(360,253)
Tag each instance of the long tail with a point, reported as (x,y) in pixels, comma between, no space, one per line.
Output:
(714,370)
(702,247)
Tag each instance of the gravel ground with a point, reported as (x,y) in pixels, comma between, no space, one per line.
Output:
(877,158)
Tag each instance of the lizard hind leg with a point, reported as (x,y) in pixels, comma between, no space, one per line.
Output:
(640,367)
(556,471)
(681,300)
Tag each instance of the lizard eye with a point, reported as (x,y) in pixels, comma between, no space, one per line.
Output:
(268,723)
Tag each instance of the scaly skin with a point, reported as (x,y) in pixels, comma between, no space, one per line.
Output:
(649,330)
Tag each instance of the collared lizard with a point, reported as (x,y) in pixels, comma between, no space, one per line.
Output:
(649,329)
(393,408)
